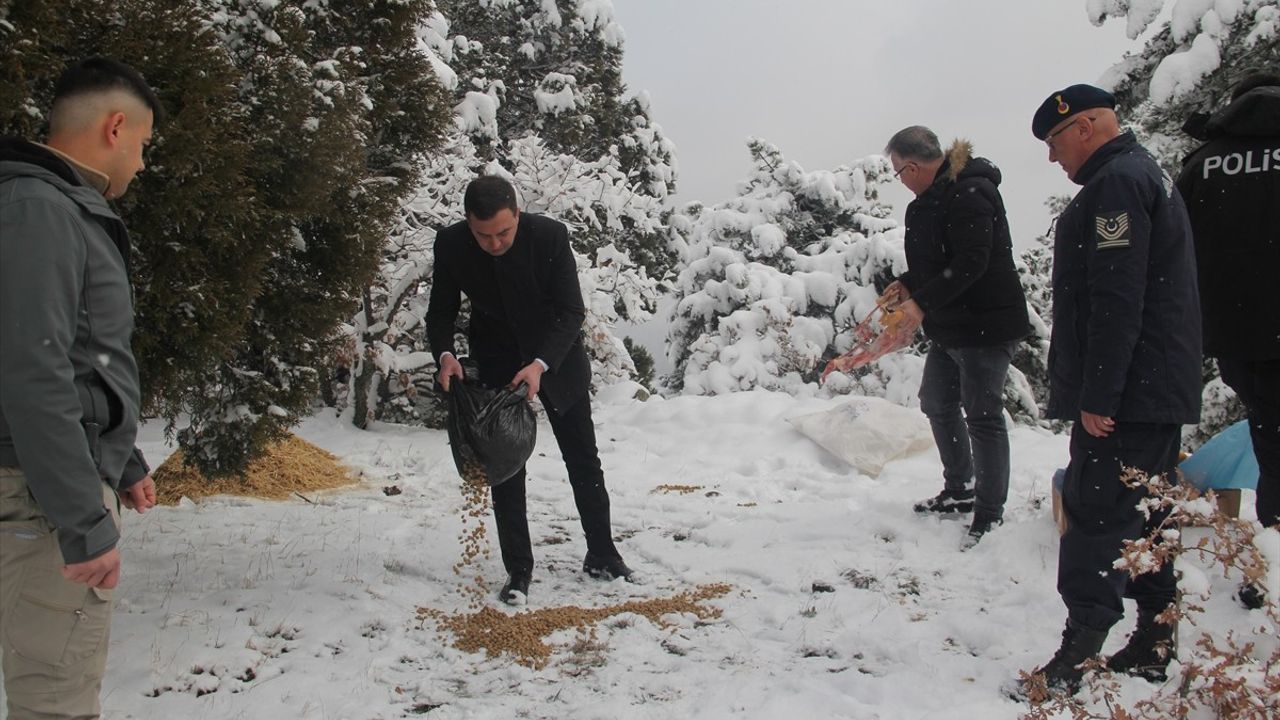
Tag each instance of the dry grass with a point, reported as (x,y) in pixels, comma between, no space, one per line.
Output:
(292,466)
(677,489)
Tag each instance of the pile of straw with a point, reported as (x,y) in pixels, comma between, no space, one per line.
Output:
(291,466)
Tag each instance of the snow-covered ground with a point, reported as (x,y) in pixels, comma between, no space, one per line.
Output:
(845,604)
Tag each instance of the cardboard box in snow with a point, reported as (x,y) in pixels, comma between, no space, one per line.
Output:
(867,432)
(1059,514)
(1228,500)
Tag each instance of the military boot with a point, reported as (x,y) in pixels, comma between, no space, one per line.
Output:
(1150,648)
(1062,674)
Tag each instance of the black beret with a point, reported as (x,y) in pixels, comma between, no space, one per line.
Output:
(1067,102)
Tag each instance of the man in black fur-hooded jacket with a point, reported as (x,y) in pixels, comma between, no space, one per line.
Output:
(962,283)
(1231,185)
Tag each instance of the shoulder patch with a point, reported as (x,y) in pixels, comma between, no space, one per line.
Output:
(1112,230)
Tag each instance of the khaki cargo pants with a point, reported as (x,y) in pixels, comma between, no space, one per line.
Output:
(53,632)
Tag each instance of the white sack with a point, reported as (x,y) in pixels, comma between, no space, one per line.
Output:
(867,432)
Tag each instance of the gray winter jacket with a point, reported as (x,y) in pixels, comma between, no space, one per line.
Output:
(69,393)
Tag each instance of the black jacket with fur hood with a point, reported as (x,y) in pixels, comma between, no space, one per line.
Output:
(960,267)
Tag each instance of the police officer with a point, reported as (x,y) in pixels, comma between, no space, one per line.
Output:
(1232,188)
(1124,366)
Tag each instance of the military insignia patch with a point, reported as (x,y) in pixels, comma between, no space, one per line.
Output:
(1063,107)
(1113,230)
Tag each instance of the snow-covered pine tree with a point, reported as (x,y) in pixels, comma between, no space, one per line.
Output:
(643,360)
(33,34)
(553,69)
(1030,367)
(193,214)
(345,104)
(773,281)
(296,130)
(603,167)
(1188,65)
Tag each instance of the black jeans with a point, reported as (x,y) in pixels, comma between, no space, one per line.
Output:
(1102,512)
(576,435)
(1258,385)
(974,446)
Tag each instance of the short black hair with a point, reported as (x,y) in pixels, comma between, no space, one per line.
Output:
(487,195)
(98,74)
(917,143)
(1253,81)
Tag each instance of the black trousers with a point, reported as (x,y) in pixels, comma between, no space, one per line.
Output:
(1102,513)
(576,435)
(1258,385)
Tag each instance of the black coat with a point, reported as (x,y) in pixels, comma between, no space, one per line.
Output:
(1126,313)
(960,257)
(1232,188)
(525,304)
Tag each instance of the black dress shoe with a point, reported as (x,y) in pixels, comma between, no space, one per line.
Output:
(516,591)
(947,502)
(980,527)
(605,568)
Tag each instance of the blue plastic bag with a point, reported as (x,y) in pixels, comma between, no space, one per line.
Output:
(1226,461)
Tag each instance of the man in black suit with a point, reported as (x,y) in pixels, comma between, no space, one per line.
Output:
(519,272)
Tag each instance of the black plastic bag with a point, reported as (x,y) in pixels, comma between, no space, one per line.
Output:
(491,430)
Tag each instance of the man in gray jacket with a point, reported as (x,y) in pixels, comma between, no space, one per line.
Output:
(69,392)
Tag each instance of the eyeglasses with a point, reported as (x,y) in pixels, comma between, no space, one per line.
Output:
(898,172)
(1048,139)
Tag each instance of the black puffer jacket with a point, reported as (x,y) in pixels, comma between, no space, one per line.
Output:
(960,256)
(1231,185)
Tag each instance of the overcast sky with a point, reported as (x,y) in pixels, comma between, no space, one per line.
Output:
(829,81)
